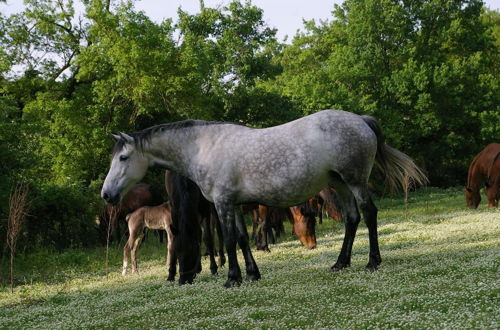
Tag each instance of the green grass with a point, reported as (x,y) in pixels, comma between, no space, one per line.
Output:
(440,270)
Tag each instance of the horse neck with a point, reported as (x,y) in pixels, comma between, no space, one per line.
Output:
(474,176)
(174,149)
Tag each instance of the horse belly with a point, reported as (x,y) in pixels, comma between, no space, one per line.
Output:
(282,188)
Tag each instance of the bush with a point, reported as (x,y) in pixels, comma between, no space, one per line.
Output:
(60,217)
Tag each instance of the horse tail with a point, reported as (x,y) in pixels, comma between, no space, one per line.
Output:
(399,169)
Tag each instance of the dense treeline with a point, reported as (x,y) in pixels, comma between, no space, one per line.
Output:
(427,69)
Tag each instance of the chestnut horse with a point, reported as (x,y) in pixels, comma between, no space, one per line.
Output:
(484,169)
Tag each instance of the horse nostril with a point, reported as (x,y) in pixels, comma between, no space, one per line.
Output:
(105,196)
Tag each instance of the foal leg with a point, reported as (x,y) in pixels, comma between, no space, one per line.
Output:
(226,214)
(126,254)
(352,218)
(369,211)
(253,273)
(171,255)
(135,246)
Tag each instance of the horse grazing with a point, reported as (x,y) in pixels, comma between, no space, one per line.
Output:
(484,169)
(328,148)
(303,218)
(189,209)
(140,195)
(152,217)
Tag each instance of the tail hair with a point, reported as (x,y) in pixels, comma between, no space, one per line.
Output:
(400,170)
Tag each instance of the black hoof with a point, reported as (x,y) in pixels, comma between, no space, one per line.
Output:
(253,277)
(339,266)
(186,279)
(373,263)
(171,278)
(213,271)
(230,283)
(222,261)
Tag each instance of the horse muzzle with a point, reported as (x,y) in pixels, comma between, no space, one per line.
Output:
(110,198)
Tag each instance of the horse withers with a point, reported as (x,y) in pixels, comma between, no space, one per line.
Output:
(484,169)
(151,217)
(328,148)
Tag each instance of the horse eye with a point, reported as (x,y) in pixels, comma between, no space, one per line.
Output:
(123,158)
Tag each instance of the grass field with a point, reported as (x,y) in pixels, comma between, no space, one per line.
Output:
(440,270)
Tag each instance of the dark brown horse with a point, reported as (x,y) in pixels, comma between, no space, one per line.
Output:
(190,209)
(267,223)
(483,170)
(140,195)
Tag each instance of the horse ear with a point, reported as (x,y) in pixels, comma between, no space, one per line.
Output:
(127,138)
(114,136)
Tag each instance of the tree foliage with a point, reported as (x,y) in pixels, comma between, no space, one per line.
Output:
(428,70)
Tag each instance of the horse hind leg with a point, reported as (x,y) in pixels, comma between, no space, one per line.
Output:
(351,218)
(369,210)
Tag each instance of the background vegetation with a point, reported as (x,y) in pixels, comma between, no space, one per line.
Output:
(427,69)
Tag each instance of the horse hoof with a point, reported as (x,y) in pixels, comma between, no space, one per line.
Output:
(253,277)
(231,283)
(339,266)
(171,278)
(373,263)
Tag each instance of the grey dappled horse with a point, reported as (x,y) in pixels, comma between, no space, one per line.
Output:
(278,166)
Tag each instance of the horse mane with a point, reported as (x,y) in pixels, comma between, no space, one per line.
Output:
(144,136)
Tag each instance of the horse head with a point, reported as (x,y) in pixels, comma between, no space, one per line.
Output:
(472,198)
(128,166)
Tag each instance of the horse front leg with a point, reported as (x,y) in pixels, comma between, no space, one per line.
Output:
(215,221)
(253,273)
(226,214)
(209,243)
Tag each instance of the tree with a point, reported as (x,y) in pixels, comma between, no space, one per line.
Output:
(424,69)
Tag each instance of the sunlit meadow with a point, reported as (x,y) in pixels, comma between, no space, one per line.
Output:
(440,270)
